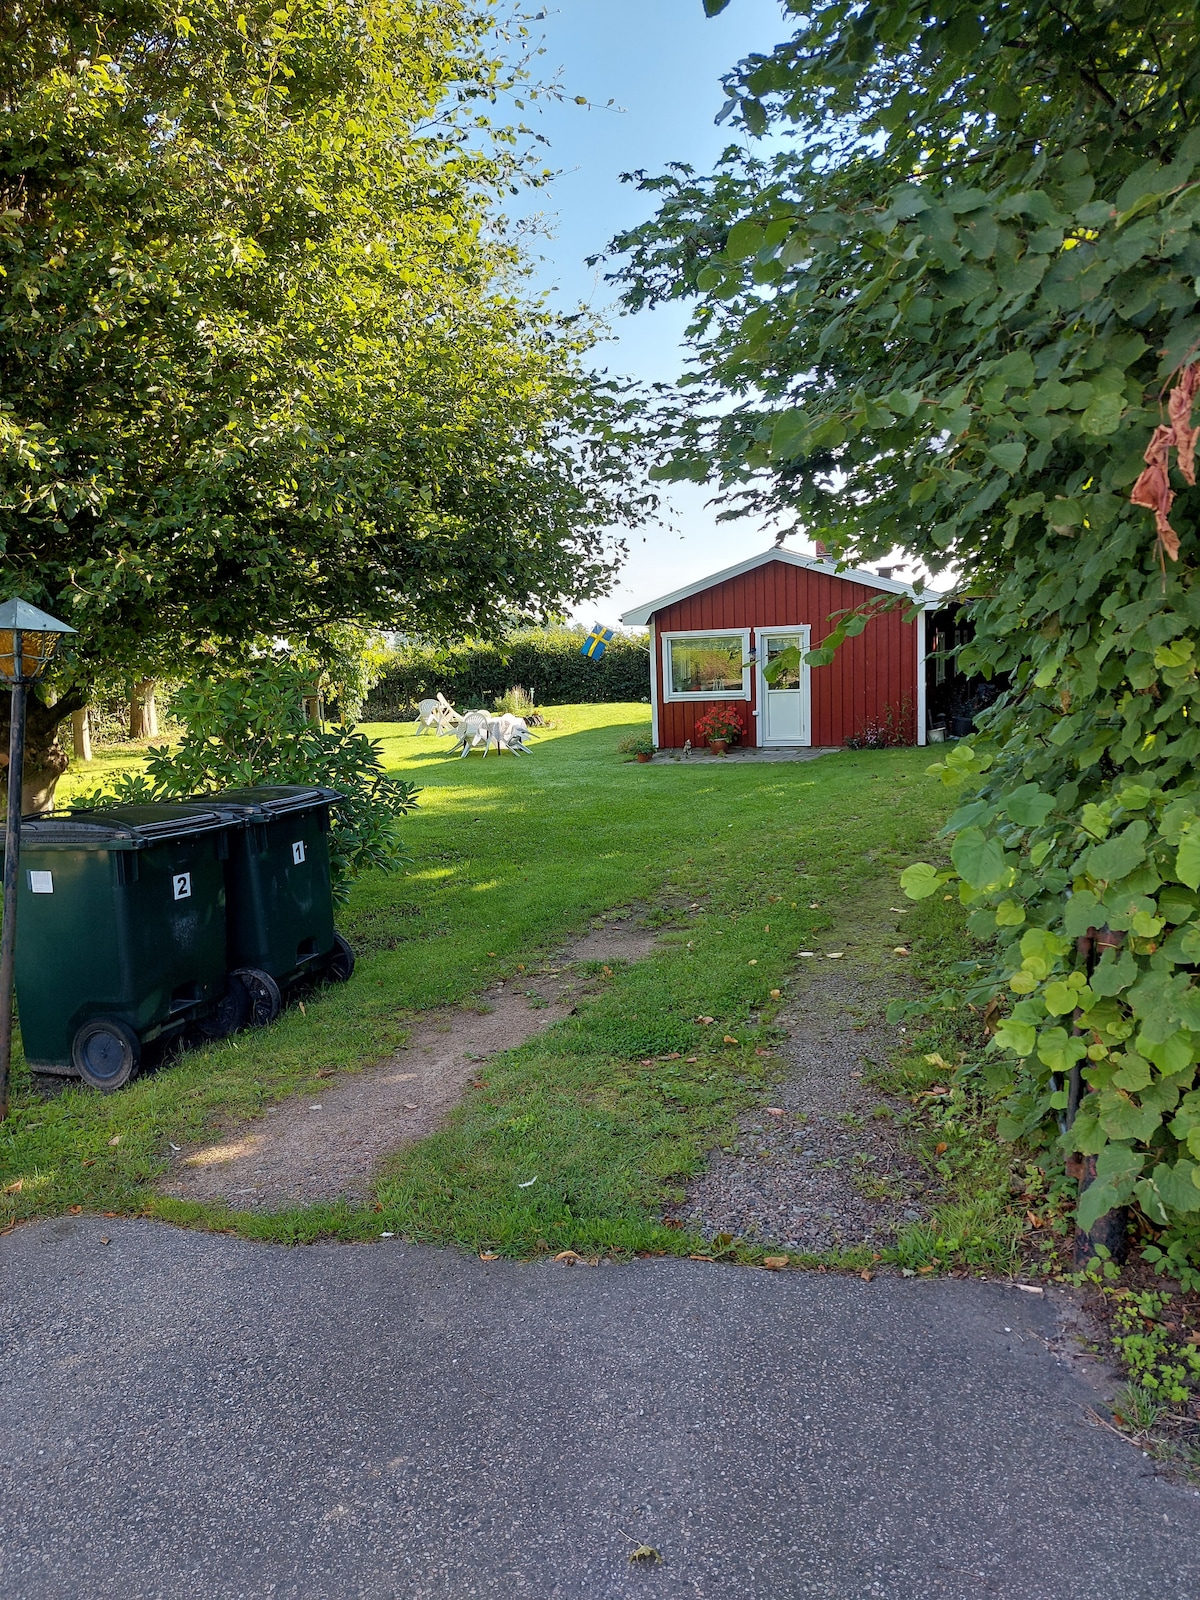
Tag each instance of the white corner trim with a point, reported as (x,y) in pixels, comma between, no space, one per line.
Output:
(921,672)
(705,633)
(654,685)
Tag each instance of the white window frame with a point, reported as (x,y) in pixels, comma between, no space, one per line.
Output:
(707,633)
(803,630)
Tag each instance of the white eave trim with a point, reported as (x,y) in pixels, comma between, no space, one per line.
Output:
(641,615)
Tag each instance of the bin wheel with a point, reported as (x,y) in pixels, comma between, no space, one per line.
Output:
(106,1054)
(232,1013)
(341,960)
(266,1002)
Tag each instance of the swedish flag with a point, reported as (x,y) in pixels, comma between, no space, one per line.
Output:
(596,642)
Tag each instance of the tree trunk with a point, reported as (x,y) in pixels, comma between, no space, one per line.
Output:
(81,735)
(143,712)
(45,759)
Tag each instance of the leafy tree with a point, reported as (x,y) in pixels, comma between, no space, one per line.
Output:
(942,308)
(266,361)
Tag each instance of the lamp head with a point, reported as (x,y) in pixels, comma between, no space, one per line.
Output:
(27,641)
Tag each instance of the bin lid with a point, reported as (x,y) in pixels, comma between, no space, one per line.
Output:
(133,827)
(274,799)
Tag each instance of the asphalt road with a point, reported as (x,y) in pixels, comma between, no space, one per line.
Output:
(190,1415)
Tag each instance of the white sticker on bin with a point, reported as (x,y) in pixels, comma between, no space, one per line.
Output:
(298,852)
(183,885)
(41,883)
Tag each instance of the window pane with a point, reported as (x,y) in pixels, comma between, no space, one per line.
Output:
(707,666)
(789,678)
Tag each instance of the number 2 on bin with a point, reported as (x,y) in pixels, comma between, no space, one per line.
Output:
(298,853)
(183,885)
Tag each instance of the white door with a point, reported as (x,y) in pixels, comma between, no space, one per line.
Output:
(783,705)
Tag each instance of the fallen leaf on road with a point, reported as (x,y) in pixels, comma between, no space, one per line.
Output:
(75,1210)
(1036,1288)
(773,1263)
(866,1275)
(105,1241)
(488,1255)
(646,1552)
(568,1257)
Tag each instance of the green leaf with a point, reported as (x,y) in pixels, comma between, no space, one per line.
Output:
(920,880)
(1103,415)
(1176,1185)
(1028,806)
(1019,1037)
(745,239)
(1187,859)
(787,434)
(978,859)
(1082,911)
(1117,857)
(1009,456)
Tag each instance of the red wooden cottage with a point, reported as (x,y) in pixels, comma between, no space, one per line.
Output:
(710,641)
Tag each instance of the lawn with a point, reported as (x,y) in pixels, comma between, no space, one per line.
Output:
(510,859)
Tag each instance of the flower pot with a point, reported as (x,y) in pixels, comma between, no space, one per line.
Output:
(643,755)
(718,746)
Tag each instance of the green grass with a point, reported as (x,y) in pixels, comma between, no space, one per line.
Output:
(510,859)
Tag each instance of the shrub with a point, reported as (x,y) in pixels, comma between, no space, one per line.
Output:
(250,728)
(516,702)
(472,673)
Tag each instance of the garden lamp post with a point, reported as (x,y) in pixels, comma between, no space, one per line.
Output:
(27,640)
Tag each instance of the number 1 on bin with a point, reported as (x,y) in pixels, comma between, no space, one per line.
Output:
(183,885)
(298,853)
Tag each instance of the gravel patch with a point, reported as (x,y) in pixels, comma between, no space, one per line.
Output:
(825,1164)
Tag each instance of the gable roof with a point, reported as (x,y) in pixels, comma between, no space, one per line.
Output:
(641,615)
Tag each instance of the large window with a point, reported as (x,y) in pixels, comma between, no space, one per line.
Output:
(706,666)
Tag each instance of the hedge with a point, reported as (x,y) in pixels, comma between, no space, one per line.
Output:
(546,661)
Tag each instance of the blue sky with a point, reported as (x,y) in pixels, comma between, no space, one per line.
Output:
(660,61)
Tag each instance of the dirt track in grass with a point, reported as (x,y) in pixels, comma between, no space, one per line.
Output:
(327,1146)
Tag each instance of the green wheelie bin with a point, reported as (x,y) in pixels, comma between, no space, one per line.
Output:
(120,935)
(279,892)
